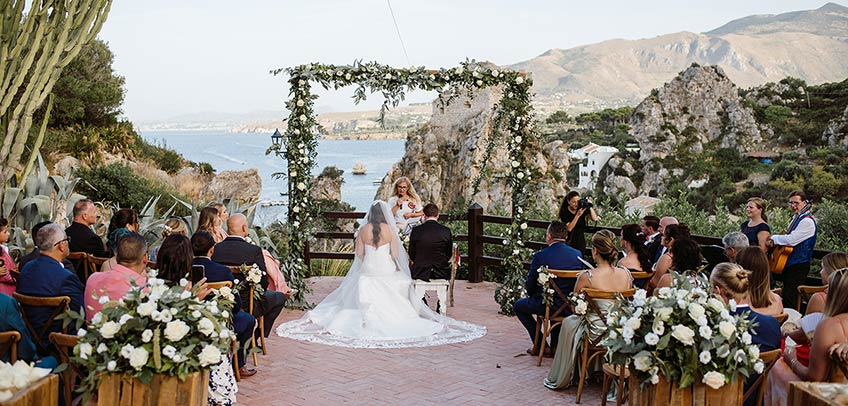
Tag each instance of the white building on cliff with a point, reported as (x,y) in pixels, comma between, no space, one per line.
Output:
(593,157)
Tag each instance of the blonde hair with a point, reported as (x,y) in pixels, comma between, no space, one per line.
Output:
(207,219)
(732,279)
(760,204)
(410,191)
(174,225)
(604,242)
(837,293)
(834,261)
(220,207)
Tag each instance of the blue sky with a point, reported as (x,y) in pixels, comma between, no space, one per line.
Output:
(189,56)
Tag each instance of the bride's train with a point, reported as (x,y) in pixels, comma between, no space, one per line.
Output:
(375,305)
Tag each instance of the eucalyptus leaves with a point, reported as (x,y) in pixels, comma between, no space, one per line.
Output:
(512,120)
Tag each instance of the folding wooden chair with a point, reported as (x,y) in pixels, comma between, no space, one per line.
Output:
(80,259)
(781,318)
(592,346)
(236,270)
(64,344)
(550,320)
(758,388)
(233,356)
(59,304)
(806,292)
(621,375)
(9,344)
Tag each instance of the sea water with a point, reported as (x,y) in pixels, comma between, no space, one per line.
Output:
(240,151)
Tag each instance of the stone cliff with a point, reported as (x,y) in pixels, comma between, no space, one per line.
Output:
(698,112)
(446,155)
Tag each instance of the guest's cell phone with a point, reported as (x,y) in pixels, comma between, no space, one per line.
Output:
(198,272)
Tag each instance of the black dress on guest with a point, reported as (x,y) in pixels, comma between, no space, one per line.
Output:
(577,236)
(751,232)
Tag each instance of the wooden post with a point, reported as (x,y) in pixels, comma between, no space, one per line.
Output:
(306,258)
(475,243)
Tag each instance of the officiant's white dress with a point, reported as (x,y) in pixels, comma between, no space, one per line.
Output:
(375,305)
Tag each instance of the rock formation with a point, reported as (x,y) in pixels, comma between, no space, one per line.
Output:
(243,185)
(836,133)
(697,112)
(446,155)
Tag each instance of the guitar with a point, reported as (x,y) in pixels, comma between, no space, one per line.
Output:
(779,254)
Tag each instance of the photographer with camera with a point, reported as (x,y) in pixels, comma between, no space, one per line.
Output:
(571,212)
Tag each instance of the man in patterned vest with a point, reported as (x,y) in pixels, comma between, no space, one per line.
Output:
(801,234)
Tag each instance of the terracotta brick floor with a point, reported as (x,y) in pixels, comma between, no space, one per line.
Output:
(486,371)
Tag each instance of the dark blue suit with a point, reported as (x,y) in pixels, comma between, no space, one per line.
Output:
(44,276)
(557,256)
(243,322)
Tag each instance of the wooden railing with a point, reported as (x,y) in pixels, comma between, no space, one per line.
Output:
(476,239)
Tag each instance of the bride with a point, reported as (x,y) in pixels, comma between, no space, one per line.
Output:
(375,305)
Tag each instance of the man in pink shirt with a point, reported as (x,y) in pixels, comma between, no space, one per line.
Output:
(116,282)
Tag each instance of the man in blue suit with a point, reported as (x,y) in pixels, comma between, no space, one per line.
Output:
(45,276)
(560,256)
(203,244)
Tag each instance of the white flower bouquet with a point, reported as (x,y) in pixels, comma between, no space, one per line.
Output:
(682,334)
(579,303)
(252,279)
(545,279)
(155,329)
(18,376)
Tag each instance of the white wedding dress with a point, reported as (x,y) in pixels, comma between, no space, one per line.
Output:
(375,305)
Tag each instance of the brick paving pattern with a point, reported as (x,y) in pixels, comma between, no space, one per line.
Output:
(486,371)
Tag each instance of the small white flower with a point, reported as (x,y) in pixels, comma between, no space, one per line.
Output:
(659,327)
(479,83)
(299,103)
(126,350)
(209,355)
(739,356)
(652,339)
(701,321)
(627,334)
(713,379)
(655,379)
(183,282)
(519,80)
(103,299)
(683,334)
(543,278)
(754,352)
(495,73)
(101,348)
(302,118)
(85,350)
(458,71)
(388,76)
(746,338)
(98,317)
(518,139)
(758,367)
(705,357)
(169,351)
(715,304)
(634,323)
(185,294)
(581,308)
(205,326)
(640,297)
(124,319)
(706,332)
(523,226)
(146,335)
(301,186)
(519,175)
(196,313)
(146,308)
(663,313)
(347,76)
(732,305)
(176,330)
(138,358)
(726,329)
(642,361)
(111,365)
(109,329)
(696,311)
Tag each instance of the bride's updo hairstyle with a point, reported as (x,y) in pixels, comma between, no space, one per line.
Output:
(604,243)
(732,279)
(375,218)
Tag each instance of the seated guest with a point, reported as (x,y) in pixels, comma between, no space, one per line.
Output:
(733,243)
(123,223)
(210,221)
(763,300)
(203,244)
(129,271)
(664,222)
(607,277)
(173,225)
(558,255)
(829,264)
(685,259)
(223,216)
(636,258)
(830,330)
(11,320)
(46,277)
(35,252)
(82,238)
(235,250)
(671,233)
(7,264)
(653,237)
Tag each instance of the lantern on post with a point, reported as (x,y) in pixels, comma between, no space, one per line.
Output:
(277,139)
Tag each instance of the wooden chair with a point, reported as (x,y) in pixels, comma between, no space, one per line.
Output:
(641,275)
(838,370)
(781,318)
(620,375)
(95,263)
(769,358)
(81,259)
(219,285)
(64,344)
(550,320)
(233,349)
(236,270)
(805,292)
(777,291)
(592,347)
(59,304)
(9,344)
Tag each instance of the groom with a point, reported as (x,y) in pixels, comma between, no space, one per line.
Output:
(430,247)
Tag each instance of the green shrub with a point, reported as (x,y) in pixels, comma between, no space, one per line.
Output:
(120,185)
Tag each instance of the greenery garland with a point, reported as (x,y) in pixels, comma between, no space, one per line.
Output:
(512,114)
